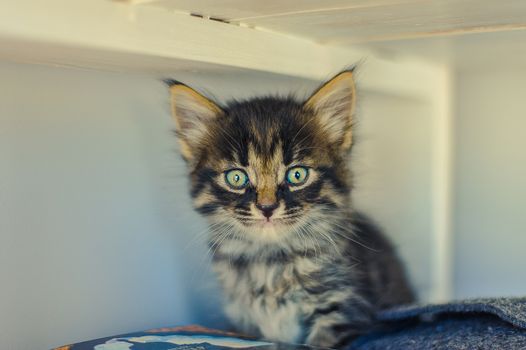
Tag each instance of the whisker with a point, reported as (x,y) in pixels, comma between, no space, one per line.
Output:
(302,127)
(346,229)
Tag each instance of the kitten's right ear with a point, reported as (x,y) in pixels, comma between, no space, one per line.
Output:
(192,113)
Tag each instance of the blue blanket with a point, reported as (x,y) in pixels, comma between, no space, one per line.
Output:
(470,324)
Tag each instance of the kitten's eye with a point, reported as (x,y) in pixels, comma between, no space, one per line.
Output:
(297,176)
(236,179)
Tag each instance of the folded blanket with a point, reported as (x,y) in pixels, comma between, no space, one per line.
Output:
(470,324)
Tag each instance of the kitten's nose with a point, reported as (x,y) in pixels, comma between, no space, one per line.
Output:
(267,209)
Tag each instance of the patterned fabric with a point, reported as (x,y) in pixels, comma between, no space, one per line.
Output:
(180,338)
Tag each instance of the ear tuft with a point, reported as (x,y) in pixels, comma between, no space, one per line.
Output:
(333,104)
(170,82)
(192,113)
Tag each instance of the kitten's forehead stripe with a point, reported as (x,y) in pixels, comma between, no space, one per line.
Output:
(268,124)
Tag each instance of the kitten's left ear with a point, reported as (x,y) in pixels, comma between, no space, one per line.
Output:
(333,104)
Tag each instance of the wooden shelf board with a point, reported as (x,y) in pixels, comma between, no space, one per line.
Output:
(112,35)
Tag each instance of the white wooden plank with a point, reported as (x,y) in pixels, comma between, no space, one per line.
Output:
(401,20)
(344,22)
(115,35)
(236,10)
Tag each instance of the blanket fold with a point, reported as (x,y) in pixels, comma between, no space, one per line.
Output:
(488,323)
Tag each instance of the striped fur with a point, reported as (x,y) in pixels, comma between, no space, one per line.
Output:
(316,271)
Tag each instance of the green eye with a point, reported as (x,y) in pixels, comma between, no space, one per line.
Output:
(236,179)
(297,176)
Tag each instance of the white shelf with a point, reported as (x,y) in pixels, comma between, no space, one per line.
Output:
(103,34)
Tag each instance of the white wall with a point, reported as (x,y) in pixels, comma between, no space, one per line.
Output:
(83,249)
(490,182)
(97,236)
(392,168)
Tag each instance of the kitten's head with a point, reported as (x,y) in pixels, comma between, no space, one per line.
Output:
(267,167)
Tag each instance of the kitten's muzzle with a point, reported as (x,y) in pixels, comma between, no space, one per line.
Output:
(267,209)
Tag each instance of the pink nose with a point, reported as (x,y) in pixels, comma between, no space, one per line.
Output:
(267,209)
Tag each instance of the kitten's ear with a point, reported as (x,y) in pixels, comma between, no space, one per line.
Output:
(333,104)
(192,113)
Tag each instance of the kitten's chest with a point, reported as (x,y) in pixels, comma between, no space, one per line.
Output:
(265,299)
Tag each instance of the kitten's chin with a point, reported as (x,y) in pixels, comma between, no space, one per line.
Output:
(263,230)
(267,223)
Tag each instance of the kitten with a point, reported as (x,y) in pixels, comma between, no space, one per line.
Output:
(296,263)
